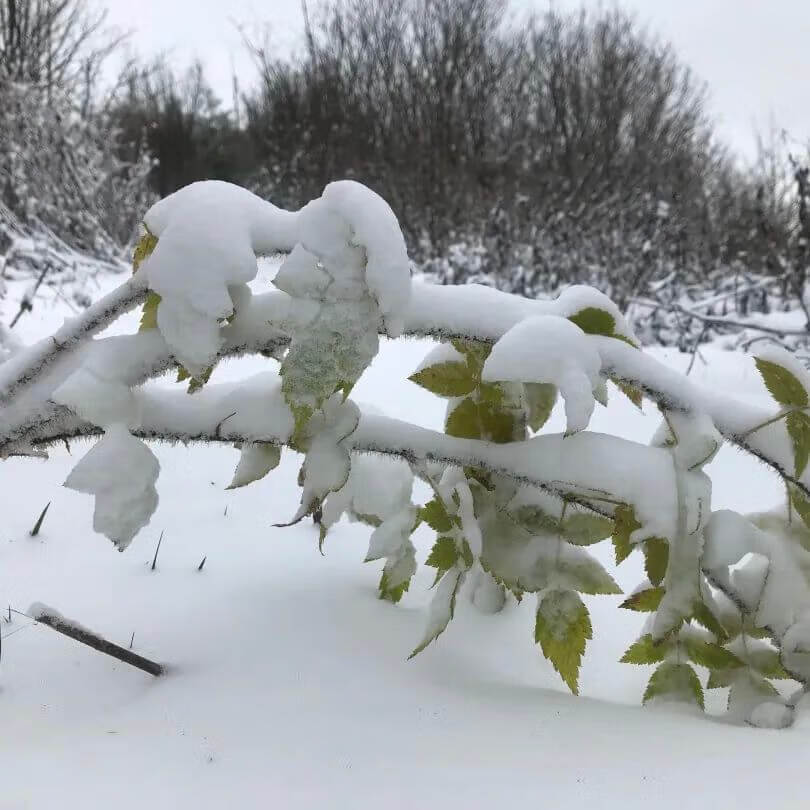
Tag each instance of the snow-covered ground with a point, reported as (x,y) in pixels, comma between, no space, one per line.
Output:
(288,685)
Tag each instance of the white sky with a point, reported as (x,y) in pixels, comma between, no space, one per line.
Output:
(754,54)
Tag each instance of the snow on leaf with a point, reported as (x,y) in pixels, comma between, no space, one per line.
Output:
(710,655)
(255,461)
(391,534)
(625,524)
(444,554)
(549,349)
(562,629)
(644,601)
(442,607)
(674,682)
(584,529)
(120,471)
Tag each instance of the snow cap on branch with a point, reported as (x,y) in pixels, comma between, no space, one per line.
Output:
(549,349)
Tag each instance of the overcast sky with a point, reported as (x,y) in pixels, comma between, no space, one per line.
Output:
(754,54)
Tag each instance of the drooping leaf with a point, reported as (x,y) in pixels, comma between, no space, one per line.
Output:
(782,384)
(645,601)
(255,462)
(798,428)
(443,555)
(584,529)
(540,399)
(463,421)
(656,557)
(710,655)
(535,520)
(675,682)
(801,504)
(498,424)
(767,663)
(394,593)
(435,515)
(645,651)
(634,394)
(449,379)
(562,629)
(705,618)
(586,575)
(442,608)
(624,524)
(721,678)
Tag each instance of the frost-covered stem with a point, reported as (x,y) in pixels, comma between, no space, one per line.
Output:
(25,367)
(770,421)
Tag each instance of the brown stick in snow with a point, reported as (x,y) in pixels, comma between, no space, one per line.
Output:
(85,636)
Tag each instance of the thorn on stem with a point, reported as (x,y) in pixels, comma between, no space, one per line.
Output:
(38,525)
(154,559)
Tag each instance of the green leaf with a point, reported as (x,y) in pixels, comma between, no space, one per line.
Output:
(196,383)
(475,352)
(656,558)
(709,655)
(594,321)
(449,379)
(800,504)
(584,529)
(768,663)
(443,555)
(678,682)
(497,424)
(392,594)
(562,628)
(587,576)
(645,651)
(705,618)
(720,678)
(645,601)
(625,523)
(463,421)
(435,515)
(783,385)
(535,520)
(540,399)
(798,428)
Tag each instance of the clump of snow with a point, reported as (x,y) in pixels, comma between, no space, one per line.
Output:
(550,349)
(97,399)
(348,212)
(441,353)
(120,471)
(208,236)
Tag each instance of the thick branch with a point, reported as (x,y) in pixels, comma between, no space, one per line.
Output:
(439,312)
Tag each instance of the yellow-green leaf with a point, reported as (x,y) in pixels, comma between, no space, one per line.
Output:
(143,249)
(634,394)
(584,529)
(594,321)
(625,523)
(435,515)
(798,428)
(656,558)
(449,379)
(783,385)
(392,594)
(801,504)
(562,628)
(540,399)
(709,655)
(645,651)
(677,682)
(149,313)
(645,601)
(463,421)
